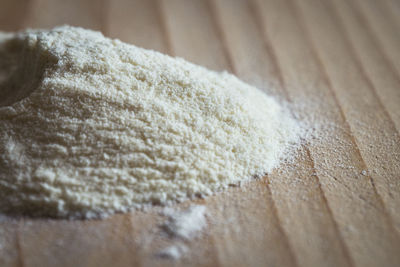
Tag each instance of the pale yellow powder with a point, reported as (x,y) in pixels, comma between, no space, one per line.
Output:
(90,126)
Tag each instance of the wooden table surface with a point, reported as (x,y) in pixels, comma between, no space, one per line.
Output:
(338,204)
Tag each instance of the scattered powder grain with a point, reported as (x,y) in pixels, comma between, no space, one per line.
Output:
(185,224)
(173,252)
(90,126)
(181,226)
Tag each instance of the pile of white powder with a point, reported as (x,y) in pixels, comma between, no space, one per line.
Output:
(90,126)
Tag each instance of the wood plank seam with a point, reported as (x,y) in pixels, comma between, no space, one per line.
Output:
(271,52)
(326,77)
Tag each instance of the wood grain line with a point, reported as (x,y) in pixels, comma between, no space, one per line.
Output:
(335,15)
(23,24)
(105,8)
(391,7)
(217,23)
(21,262)
(360,16)
(303,26)
(270,50)
(164,27)
(268,47)
(324,72)
(377,66)
(279,225)
(335,224)
(386,5)
(385,44)
(129,222)
(218,26)
(221,34)
(29,12)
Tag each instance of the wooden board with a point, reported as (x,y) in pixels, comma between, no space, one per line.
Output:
(337,204)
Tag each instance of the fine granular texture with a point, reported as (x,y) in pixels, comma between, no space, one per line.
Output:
(90,126)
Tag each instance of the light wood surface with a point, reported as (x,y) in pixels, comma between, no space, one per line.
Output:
(337,204)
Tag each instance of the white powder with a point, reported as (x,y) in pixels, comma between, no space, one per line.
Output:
(173,252)
(90,126)
(182,226)
(185,224)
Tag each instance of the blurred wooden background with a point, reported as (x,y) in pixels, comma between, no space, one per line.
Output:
(337,205)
